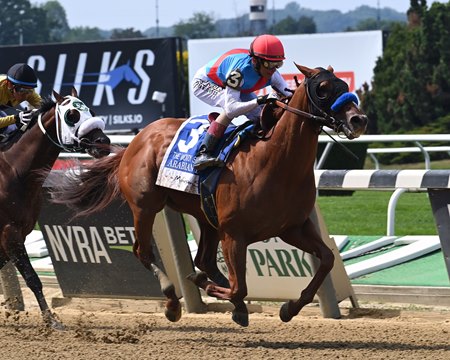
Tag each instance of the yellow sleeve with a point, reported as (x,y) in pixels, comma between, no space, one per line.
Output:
(34,99)
(7,120)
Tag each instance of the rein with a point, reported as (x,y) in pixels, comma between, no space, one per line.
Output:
(286,107)
(325,120)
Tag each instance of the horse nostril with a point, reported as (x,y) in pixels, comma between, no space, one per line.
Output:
(102,140)
(84,142)
(359,121)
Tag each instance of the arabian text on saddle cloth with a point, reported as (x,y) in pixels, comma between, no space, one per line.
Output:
(177,169)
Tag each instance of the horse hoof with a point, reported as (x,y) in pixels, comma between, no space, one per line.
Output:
(198,278)
(173,314)
(240,318)
(285,314)
(56,325)
(51,321)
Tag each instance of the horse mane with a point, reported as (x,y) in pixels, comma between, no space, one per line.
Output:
(46,104)
(271,114)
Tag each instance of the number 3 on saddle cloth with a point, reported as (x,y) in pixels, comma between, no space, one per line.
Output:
(177,168)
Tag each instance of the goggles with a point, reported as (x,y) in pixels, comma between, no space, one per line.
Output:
(271,64)
(22,90)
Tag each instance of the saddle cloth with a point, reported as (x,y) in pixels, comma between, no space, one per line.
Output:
(177,168)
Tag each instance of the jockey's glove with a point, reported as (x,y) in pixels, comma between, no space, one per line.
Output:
(265,99)
(23,119)
(261,100)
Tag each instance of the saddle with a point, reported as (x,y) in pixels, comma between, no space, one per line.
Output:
(8,133)
(9,139)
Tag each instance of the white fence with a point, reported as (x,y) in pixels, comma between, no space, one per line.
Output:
(417,140)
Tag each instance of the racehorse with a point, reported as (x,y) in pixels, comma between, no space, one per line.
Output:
(266,189)
(68,125)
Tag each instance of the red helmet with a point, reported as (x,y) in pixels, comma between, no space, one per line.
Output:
(267,47)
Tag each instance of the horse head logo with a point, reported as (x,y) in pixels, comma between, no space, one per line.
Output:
(113,77)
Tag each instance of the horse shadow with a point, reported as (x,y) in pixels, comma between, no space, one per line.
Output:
(344,344)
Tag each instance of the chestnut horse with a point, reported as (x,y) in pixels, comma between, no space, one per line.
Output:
(266,189)
(68,125)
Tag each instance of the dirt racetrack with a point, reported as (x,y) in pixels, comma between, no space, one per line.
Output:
(127,329)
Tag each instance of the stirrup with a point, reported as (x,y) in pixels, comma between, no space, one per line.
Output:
(204,161)
(4,138)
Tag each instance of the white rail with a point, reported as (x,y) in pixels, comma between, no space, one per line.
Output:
(418,139)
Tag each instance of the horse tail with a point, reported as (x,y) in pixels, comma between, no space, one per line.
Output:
(89,188)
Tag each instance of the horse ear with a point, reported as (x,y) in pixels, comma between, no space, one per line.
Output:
(74,92)
(58,97)
(330,69)
(305,70)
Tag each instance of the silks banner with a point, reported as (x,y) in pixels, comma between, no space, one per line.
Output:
(129,83)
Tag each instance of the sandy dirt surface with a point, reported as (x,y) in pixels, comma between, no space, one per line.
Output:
(129,329)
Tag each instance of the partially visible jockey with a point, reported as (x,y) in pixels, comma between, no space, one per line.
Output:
(229,81)
(15,87)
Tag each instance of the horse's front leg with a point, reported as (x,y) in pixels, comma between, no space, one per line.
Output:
(234,253)
(16,251)
(206,257)
(307,238)
(211,288)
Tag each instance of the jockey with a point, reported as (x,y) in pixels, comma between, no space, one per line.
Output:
(229,82)
(15,87)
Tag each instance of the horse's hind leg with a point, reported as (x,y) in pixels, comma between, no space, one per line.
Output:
(142,248)
(19,257)
(306,238)
(235,255)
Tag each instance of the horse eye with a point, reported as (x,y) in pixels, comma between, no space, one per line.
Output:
(322,91)
(72,117)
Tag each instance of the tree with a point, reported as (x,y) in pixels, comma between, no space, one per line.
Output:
(411,86)
(57,21)
(21,22)
(199,26)
(128,33)
(83,33)
(373,24)
(304,25)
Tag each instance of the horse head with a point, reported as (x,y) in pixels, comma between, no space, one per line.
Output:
(130,74)
(78,129)
(331,102)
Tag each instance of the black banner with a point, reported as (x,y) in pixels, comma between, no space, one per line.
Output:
(129,83)
(92,256)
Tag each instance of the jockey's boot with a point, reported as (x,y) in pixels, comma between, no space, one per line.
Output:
(204,156)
